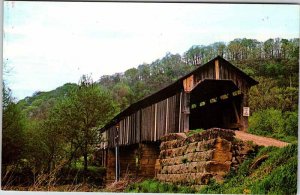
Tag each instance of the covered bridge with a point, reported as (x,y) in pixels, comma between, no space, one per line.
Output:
(213,95)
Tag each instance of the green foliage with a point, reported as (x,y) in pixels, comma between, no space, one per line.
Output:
(274,110)
(79,115)
(283,180)
(65,128)
(272,69)
(276,175)
(123,95)
(212,188)
(266,122)
(267,94)
(249,71)
(38,106)
(154,186)
(194,131)
(291,123)
(280,172)
(12,130)
(275,123)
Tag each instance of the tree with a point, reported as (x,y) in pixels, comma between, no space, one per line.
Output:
(234,49)
(194,55)
(81,114)
(131,76)
(12,129)
(267,94)
(41,146)
(269,48)
(123,95)
(219,48)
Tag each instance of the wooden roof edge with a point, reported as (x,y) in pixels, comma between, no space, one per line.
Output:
(178,86)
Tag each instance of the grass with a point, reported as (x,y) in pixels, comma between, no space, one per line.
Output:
(194,131)
(78,165)
(276,175)
(154,186)
(286,138)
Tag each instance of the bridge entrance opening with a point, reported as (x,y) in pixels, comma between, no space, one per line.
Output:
(215,103)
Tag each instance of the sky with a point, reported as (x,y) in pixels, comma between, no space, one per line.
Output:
(48,44)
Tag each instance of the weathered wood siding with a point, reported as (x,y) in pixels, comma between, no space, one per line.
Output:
(150,123)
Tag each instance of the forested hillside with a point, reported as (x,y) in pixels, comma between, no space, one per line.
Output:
(58,127)
(274,63)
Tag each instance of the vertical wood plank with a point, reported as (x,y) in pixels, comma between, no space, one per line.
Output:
(180,99)
(141,126)
(128,129)
(186,111)
(155,121)
(167,113)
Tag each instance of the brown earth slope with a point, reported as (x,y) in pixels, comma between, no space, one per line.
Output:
(259,140)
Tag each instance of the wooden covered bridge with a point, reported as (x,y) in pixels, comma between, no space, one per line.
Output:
(213,95)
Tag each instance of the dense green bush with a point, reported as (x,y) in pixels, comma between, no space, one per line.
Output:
(266,122)
(291,123)
(274,123)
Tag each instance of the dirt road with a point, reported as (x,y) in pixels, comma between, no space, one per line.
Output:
(259,140)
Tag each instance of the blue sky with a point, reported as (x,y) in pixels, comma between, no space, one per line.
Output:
(47,44)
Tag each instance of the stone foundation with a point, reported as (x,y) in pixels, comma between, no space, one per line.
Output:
(196,159)
(136,160)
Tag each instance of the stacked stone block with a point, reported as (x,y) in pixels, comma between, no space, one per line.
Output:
(194,160)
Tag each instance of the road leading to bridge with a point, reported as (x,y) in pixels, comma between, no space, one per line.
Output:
(259,140)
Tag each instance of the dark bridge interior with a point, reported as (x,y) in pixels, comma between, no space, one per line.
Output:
(215,103)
